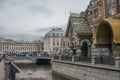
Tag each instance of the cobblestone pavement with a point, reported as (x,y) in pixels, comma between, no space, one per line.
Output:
(2,71)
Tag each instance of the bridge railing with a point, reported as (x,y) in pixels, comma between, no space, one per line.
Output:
(10,68)
(13,70)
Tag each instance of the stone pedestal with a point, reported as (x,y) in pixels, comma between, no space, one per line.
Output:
(60,57)
(93,60)
(117,61)
(73,58)
(52,58)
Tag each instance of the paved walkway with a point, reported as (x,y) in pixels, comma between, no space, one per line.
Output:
(2,71)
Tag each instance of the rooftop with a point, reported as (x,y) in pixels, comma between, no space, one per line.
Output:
(56,30)
(80,25)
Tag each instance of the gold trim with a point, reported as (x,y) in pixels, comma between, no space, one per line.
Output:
(115,26)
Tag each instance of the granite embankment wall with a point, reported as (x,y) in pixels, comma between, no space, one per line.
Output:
(85,71)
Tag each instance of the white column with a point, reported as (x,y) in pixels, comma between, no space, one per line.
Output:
(73,58)
(117,61)
(60,57)
(93,60)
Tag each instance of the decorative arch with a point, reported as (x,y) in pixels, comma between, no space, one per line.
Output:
(106,28)
(108,34)
(104,34)
(84,49)
(85,40)
(74,40)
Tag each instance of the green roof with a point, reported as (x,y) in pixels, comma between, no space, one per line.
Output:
(80,25)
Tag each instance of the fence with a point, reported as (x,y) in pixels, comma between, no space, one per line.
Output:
(109,60)
(56,57)
(71,57)
(66,57)
(82,59)
(106,60)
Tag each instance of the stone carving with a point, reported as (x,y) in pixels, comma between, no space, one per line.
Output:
(71,52)
(78,51)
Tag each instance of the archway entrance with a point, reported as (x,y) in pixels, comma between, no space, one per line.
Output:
(104,36)
(107,40)
(84,49)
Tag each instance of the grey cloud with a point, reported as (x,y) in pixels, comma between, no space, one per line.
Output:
(24,16)
(44,30)
(2,29)
(23,36)
(20,36)
(33,6)
(22,2)
(40,10)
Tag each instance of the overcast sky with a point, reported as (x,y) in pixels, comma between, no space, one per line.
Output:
(29,19)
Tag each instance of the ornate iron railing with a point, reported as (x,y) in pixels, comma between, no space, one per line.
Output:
(106,59)
(82,59)
(66,57)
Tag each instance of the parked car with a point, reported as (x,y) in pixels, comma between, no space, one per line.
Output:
(22,54)
(45,54)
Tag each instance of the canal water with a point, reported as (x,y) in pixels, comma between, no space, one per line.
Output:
(42,69)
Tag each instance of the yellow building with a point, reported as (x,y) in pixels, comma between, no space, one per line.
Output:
(10,46)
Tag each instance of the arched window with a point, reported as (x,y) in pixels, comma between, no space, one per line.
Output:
(118,5)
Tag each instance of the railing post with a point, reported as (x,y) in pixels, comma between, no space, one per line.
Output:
(117,61)
(60,57)
(73,58)
(93,60)
(53,58)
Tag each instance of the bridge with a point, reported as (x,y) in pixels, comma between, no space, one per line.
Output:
(9,69)
(32,59)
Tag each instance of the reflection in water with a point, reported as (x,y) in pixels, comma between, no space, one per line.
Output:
(43,69)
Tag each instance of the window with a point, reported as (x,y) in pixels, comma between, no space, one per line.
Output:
(63,44)
(95,0)
(57,34)
(110,8)
(53,34)
(53,43)
(118,6)
(68,44)
(57,43)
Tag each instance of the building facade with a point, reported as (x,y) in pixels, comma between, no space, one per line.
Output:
(78,36)
(10,46)
(98,9)
(103,17)
(64,48)
(52,40)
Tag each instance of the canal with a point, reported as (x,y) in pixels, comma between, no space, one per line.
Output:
(42,69)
